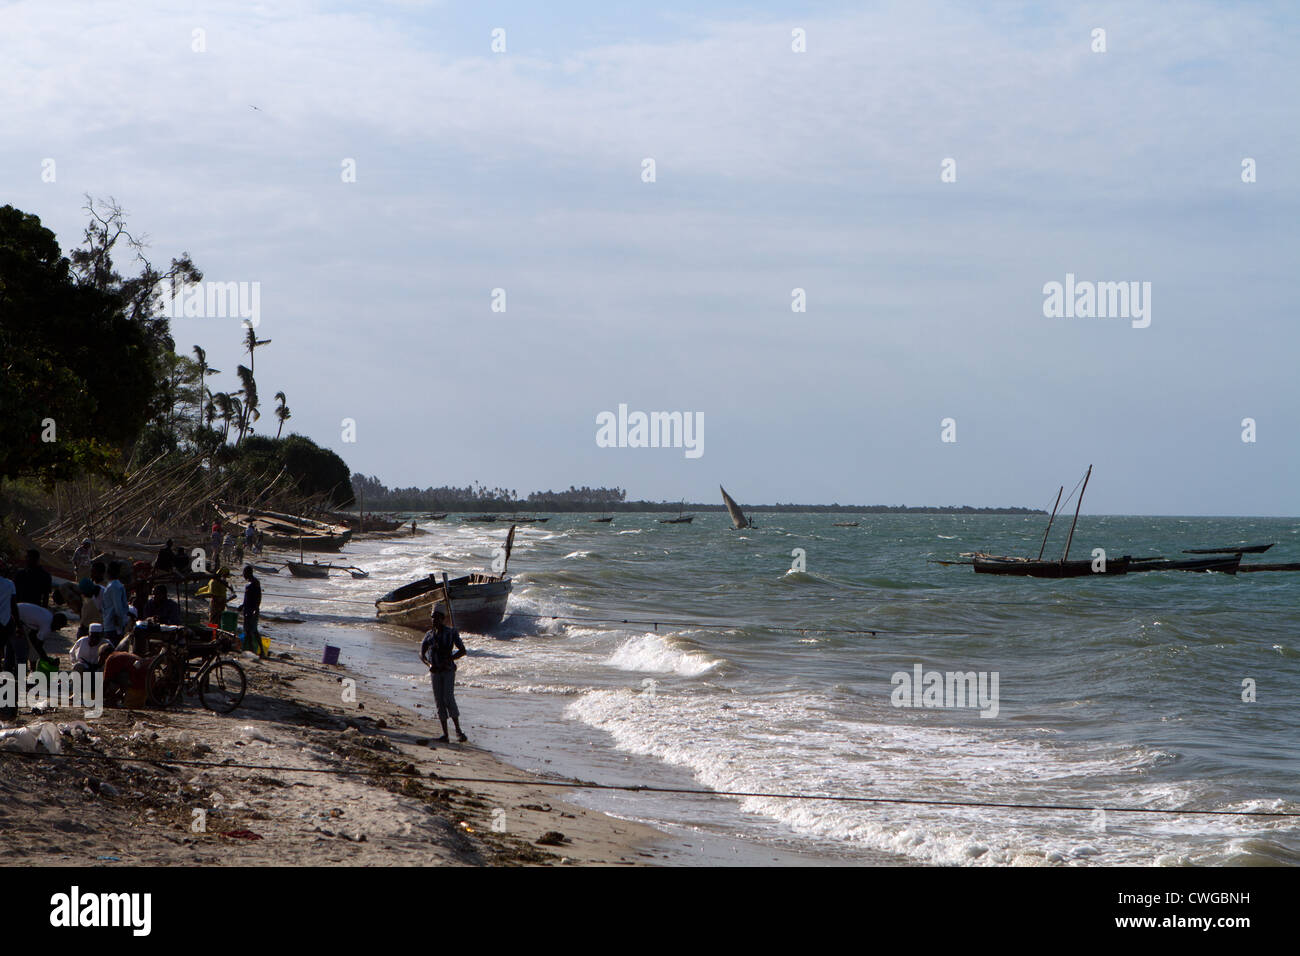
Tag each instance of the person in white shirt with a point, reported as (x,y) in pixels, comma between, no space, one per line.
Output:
(88,652)
(41,624)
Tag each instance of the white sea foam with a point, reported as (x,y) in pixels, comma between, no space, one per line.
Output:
(654,654)
(783,743)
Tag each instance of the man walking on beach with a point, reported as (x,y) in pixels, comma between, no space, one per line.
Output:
(33,582)
(440,650)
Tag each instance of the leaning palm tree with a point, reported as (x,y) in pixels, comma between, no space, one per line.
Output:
(251,412)
(201,357)
(251,343)
(281,411)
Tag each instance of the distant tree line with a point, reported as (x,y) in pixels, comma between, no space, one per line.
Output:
(477,497)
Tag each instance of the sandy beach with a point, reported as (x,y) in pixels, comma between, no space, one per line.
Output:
(294,776)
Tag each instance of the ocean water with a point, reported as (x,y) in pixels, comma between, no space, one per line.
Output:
(734,671)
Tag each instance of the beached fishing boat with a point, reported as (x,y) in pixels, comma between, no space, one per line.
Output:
(738,519)
(1245,549)
(478,601)
(289,531)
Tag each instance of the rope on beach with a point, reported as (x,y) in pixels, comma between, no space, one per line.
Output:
(648,788)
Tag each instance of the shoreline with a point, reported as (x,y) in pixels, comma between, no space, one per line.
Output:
(294,776)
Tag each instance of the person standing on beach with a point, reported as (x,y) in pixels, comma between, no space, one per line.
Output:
(252,608)
(215,556)
(9,626)
(215,591)
(34,582)
(113,605)
(440,650)
(82,557)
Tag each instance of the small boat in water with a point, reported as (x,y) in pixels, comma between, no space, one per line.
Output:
(314,570)
(686,519)
(1025,567)
(602,520)
(1226,565)
(845,524)
(484,518)
(1245,549)
(738,519)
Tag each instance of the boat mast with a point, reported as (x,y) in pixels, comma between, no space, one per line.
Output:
(1077,506)
(1050,520)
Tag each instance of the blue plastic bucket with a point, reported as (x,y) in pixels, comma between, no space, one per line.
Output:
(331,655)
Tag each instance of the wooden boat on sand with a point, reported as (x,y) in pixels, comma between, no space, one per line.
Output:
(478,600)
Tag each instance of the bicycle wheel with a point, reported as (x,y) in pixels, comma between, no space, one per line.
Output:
(166,680)
(222,688)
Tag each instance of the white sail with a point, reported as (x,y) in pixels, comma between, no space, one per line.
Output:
(737,516)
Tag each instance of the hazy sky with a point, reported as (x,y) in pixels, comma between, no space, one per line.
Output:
(775,170)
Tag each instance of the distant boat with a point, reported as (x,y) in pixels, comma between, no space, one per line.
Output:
(686,519)
(738,518)
(1245,549)
(483,518)
(435,517)
(845,524)
(602,520)
(519,520)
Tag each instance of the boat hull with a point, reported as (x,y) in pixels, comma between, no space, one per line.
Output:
(1049,569)
(308,570)
(478,602)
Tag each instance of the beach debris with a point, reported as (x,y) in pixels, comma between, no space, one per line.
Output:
(108,790)
(553,838)
(539,807)
(241,835)
(19,740)
(253,733)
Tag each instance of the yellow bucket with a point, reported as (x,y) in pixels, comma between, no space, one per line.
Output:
(266,645)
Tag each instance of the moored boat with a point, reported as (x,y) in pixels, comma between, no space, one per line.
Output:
(479,601)
(1244,549)
(301,569)
(1228,564)
(1048,569)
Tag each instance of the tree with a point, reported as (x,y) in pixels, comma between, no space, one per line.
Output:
(77,379)
(249,409)
(251,343)
(281,411)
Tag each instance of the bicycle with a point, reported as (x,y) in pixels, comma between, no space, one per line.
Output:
(183,668)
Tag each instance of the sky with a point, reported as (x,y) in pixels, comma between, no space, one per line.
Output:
(523,170)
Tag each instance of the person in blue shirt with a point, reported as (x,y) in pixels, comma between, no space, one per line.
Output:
(440,650)
(115,614)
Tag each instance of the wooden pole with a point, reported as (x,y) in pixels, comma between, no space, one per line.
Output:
(1050,520)
(1077,506)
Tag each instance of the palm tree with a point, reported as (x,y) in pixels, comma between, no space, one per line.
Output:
(281,412)
(222,406)
(201,358)
(250,404)
(251,342)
